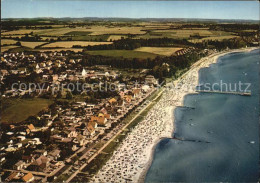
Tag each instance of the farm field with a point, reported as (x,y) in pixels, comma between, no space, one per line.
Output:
(98,30)
(69,44)
(59,49)
(31,44)
(84,36)
(6,48)
(123,53)
(165,51)
(7,41)
(23,31)
(17,110)
(182,33)
(219,38)
(116,37)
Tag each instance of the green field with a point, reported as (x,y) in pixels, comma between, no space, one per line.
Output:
(84,36)
(17,110)
(123,53)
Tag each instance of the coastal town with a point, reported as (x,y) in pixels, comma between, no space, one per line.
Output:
(63,134)
(87,100)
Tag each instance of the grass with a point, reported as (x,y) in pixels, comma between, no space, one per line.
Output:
(7,41)
(69,44)
(165,51)
(182,33)
(78,33)
(20,49)
(123,53)
(116,37)
(84,36)
(6,48)
(17,110)
(99,30)
(31,44)
(219,38)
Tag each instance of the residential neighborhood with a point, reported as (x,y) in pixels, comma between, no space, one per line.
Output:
(65,132)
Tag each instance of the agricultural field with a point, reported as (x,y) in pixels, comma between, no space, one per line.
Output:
(116,37)
(123,53)
(164,51)
(219,38)
(31,44)
(69,44)
(84,36)
(7,41)
(183,33)
(22,31)
(60,49)
(6,48)
(99,30)
(17,110)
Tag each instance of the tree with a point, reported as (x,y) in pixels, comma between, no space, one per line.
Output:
(69,95)
(59,94)
(18,43)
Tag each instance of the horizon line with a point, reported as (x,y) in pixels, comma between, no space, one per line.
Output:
(130,18)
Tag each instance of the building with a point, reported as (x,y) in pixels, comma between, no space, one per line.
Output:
(28,177)
(150,80)
(19,165)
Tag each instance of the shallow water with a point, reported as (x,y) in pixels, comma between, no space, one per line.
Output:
(220,136)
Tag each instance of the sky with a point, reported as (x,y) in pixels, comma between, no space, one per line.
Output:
(130,9)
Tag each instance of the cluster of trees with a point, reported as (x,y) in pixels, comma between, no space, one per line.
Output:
(130,44)
(234,27)
(223,44)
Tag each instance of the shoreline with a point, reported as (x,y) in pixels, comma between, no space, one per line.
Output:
(133,158)
(214,57)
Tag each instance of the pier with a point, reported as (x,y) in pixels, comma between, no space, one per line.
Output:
(225,92)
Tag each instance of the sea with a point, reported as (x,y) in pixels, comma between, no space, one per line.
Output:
(216,138)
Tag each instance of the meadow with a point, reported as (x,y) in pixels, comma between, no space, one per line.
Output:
(165,51)
(31,44)
(70,44)
(123,53)
(7,41)
(17,110)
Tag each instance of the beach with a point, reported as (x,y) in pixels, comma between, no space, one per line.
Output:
(132,159)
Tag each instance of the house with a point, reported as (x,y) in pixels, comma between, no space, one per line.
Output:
(72,132)
(40,152)
(128,98)
(145,88)
(21,138)
(18,145)
(112,101)
(84,73)
(107,116)
(81,140)
(55,154)
(12,177)
(100,120)
(40,164)
(121,103)
(31,127)
(103,110)
(19,165)
(90,130)
(28,177)
(28,159)
(150,80)
(136,92)
(4,72)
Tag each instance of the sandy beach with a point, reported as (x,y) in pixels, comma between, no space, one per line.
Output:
(131,160)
